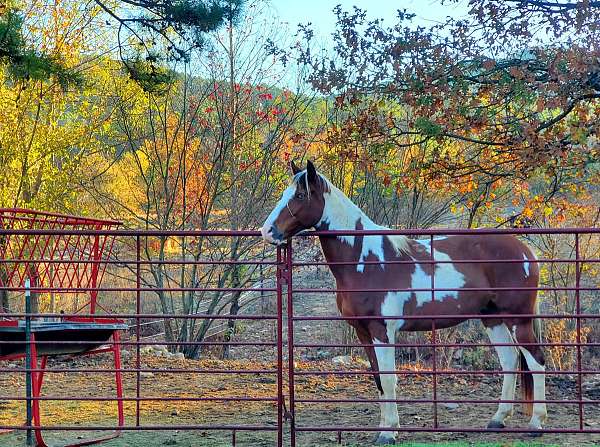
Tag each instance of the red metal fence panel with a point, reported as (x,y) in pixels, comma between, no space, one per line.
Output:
(286,389)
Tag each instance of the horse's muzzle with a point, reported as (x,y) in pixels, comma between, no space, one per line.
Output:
(272,235)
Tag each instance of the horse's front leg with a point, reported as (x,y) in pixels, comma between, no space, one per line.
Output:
(365,339)
(386,360)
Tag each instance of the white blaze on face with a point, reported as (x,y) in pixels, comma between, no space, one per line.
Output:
(266,230)
(526,265)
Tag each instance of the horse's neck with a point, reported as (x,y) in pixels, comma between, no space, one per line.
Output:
(340,213)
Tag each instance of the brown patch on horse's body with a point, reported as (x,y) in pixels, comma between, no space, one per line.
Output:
(393,277)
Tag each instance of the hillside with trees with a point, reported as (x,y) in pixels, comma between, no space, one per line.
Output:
(185,115)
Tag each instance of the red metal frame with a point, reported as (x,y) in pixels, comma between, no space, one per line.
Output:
(38,377)
(287,394)
(66,261)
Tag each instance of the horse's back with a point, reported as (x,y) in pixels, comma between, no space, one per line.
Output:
(488,251)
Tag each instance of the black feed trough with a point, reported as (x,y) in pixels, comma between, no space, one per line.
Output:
(56,337)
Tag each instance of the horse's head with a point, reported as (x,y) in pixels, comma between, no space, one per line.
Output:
(300,206)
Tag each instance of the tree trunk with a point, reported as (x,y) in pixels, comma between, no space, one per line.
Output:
(234,308)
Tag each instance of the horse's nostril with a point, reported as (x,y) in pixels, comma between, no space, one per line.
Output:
(276,233)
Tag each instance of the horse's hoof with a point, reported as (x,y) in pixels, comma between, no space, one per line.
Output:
(385,440)
(496,424)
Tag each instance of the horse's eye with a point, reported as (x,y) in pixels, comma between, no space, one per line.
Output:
(300,196)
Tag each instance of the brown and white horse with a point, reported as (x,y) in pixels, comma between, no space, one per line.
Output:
(311,201)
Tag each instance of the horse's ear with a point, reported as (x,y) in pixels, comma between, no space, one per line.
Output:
(295,169)
(311,172)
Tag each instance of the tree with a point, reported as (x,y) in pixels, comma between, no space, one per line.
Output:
(198,156)
(26,63)
(481,106)
(149,33)
(51,133)
(54,120)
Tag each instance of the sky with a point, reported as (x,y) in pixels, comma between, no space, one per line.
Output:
(319,12)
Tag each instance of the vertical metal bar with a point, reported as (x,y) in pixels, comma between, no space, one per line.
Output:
(578,320)
(118,377)
(138,311)
(434,338)
(290,328)
(36,379)
(94,271)
(279,348)
(28,366)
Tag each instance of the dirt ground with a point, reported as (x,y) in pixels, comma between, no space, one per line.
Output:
(165,384)
(205,382)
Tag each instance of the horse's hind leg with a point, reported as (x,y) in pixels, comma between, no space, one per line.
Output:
(535,362)
(386,360)
(509,360)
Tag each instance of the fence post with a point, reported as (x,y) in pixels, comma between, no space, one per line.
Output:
(433,339)
(280,402)
(578,320)
(28,365)
(138,310)
(290,317)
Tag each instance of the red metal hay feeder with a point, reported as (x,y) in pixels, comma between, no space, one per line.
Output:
(43,252)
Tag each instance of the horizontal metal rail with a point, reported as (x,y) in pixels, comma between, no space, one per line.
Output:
(409,429)
(169,427)
(255,233)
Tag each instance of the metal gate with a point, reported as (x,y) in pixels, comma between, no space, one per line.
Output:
(285,375)
(580,373)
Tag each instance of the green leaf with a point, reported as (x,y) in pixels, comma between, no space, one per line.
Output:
(427,127)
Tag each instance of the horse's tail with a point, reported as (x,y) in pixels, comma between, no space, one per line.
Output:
(538,328)
(526,376)
(526,385)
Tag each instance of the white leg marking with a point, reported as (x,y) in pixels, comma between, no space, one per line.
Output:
(386,360)
(539,390)
(509,359)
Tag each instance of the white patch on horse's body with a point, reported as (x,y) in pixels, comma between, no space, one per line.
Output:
(446,277)
(393,306)
(340,213)
(526,265)
(371,245)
